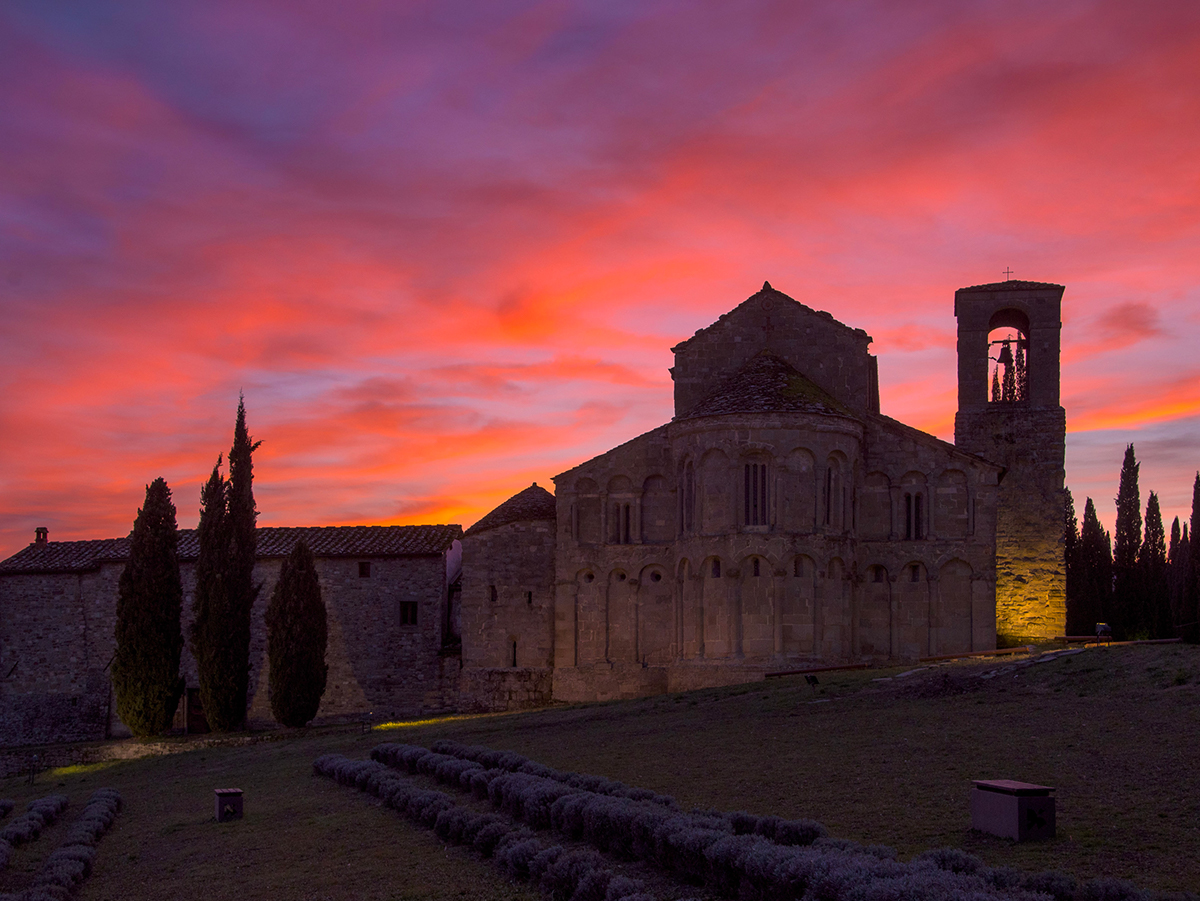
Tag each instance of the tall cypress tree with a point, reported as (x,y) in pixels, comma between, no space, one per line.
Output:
(1174,582)
(297,632)
(243,591)
(210,604)
(1191,576)
(1152,576)
(1070,555)
(1128,606)
(225,588)
(145,669)
(1093,565)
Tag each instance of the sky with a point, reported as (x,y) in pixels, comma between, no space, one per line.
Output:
(445,248)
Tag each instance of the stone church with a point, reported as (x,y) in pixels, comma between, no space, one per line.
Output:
(778,521)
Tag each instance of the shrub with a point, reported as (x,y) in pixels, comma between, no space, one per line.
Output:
(5,853)
(516,856)
(1062,886)
(543,860)
(562,877)
(622,887)
(489,836)
(1106,889)
(951,859)
(798,832)
(6,806)
(726,859)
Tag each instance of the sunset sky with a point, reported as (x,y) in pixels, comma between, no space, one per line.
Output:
(444,248)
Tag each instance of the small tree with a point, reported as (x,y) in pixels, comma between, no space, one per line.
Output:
(297,633)
(1093,570)
(1128,601)
(1070,556)
(210,605)
(145,670)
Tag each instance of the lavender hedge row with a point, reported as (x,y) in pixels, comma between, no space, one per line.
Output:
(70,863)
(562,874)
(740,855)
(40,813)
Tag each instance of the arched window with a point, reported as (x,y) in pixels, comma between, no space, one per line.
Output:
(757,571)
(914,516)
(755,494)
(1008,352)
(687,499)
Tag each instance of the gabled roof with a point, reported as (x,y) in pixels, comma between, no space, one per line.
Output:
(324,541)
(784,302)
(534,503)
(1011,285)
(768,384)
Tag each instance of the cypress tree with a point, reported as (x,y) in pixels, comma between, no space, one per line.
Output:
(1022,380)
(1009,390)
(243,592)
(1152,576)
(1174,582)
(210,604)
(1093,566)
(1191,576)
(145,669)
(1128,613)
(1070,554)
(296,639)
(996,396)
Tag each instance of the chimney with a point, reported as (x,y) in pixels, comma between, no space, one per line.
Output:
(41,535)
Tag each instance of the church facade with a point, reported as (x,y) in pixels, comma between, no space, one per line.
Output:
(779,520)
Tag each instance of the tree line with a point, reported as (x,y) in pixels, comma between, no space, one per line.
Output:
(149,635)
(1139,581)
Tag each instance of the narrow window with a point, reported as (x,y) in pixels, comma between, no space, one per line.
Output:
(689,497)
(514,653)
(755,494)
(914,573)
(716,569)
(798,568)
(529,598)
(364,569)
(918,525)
(877,574)
(828,493)
(625,530)
(908,516)
(756,568)
(492,595)
(408,613)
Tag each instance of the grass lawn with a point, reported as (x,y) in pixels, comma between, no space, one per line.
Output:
(1116,731)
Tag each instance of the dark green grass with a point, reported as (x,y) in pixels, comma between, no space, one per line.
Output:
(1116,731)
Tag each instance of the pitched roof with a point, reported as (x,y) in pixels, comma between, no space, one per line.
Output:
(1010,285)
(784,302)
(533,503)
(325,541)
(768,384)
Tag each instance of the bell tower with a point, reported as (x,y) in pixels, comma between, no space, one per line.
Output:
(1009,413)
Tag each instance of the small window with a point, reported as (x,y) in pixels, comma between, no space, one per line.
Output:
(514,653)
(364,569)
(408,613)
(529,598)
(914,518)
(716,569)
(492,594)
(877,574)
(589,577)
(757,571)
(655,576)
(797,567)
(914,573)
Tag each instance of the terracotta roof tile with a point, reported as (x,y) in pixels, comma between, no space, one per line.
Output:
(325,541)
(534,503)
(768,384)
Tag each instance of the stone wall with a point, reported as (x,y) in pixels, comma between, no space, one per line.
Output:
(492,689)
(56,642)
(508,596)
